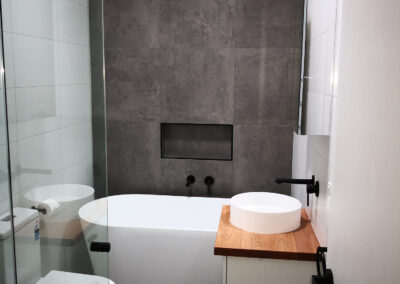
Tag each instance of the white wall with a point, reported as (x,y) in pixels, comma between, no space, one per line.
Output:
(47,62)
(365,213)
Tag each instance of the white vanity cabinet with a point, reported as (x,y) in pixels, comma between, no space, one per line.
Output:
(243,270)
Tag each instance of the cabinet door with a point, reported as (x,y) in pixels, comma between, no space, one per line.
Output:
(268,271)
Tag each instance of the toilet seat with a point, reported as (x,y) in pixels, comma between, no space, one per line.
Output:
(62,277)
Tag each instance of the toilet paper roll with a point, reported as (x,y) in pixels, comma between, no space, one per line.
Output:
(50,205)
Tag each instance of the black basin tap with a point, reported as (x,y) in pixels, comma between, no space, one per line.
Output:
(312,185)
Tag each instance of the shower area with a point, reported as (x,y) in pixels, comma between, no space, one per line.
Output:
(53,151)
(110,104)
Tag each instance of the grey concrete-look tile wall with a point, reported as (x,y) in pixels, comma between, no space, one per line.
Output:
(131,24)
(269,23)
(174,173)
(133,84)
(197,85)
(133,159)
(211,61)
(262,153)
(197,24)
(264,81)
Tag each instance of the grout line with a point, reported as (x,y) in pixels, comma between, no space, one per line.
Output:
(235,25)
(331,29)
(24,189)
(52,86)
(49,39)
(55,130)
(79,4)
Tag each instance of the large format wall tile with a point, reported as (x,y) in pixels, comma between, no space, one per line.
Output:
(269,23)
(72,64)
(33,18)
(72,23)
(261,154)
(133,157)
(131,24)
(174,173)
(40,152)
(212,61)
(265,86)
(76,143)
(74,104)
(132,84)
(41,53)
(197,85)
(6,15)
(194,24)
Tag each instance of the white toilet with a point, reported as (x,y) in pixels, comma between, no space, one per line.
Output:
(27,234)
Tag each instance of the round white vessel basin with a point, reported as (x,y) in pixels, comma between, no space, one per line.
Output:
(265,212)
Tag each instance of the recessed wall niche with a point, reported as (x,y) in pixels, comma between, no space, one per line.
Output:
(196,141)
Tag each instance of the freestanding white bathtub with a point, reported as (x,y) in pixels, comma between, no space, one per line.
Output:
(155,239)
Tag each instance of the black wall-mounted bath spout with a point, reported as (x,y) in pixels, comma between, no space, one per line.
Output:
(190,180)
(209,181)
(312,185)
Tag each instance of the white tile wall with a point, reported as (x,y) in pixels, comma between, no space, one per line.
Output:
(82,2)
(4,186)
(71,24)
(47,62)
(315,152)
(72,64)
(299,164)
(74,104)
(9,59)
(40,152)
(33,18)
(318,165)
(321,22)
(6,14)
(34,61)
(311,157)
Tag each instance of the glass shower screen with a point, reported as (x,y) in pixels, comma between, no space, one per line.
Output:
(54,89)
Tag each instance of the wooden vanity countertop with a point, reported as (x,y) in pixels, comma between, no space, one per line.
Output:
(301,244)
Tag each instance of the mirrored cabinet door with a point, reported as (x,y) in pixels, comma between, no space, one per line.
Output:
(318,93)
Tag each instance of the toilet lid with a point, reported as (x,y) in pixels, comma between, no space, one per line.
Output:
(61,277)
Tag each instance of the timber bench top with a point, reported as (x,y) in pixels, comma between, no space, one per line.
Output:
(301,244)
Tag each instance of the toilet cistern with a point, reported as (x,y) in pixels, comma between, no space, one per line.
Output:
(312,185)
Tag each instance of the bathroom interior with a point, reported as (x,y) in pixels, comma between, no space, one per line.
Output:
(199,142)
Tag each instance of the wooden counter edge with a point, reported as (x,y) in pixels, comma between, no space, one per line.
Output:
(283,255)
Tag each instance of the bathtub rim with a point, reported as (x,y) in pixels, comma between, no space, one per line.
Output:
(91,222)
